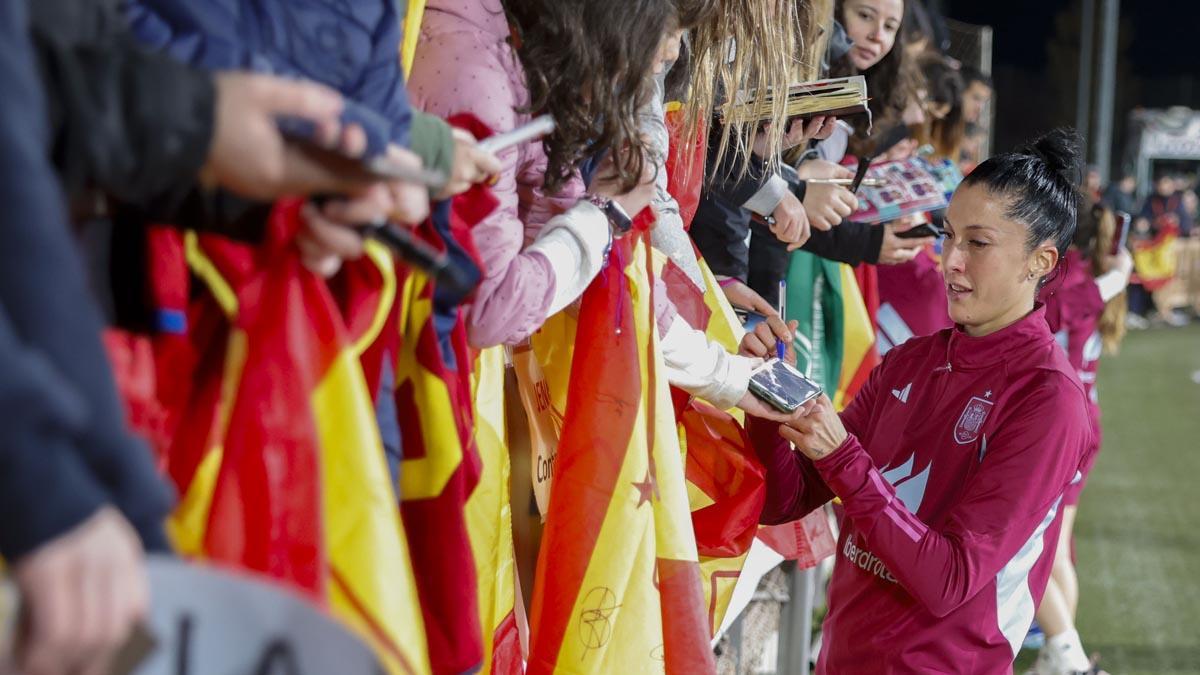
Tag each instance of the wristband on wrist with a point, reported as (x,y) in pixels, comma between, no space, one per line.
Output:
(620,221)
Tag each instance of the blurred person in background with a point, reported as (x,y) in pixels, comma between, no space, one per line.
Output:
(1085,311)
(945,126)
(1161,221)
(1119,195)
(1165,208)
(977,94)
(1092,183)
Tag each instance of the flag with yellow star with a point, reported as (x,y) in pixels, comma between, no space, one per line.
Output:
(618,586)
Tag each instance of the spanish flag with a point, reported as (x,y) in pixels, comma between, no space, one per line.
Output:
(618,581)
(442,465)
(440,469)
(1156,260)
(278,456)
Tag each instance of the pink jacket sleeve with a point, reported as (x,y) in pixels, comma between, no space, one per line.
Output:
(457,72)
(1015,492)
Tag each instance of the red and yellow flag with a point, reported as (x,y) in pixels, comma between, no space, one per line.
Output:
(618,581)
(278,456)
(489,522)
(1156,260)
(438,473)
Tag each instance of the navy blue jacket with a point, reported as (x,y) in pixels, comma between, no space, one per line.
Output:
(350,45)
(64,447)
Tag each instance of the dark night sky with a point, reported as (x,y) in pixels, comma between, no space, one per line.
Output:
(1158,66)
(1166,33)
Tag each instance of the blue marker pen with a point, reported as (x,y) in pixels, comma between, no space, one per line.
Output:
(780,346)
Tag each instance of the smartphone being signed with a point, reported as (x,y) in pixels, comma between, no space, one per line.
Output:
(781,385)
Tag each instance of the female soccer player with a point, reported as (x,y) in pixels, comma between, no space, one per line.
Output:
(952,461)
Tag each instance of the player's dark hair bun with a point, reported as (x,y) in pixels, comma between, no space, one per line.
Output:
(1039,182)
(1059,149)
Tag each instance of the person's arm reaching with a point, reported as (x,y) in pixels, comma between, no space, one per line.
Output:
(1114,281)
(703,368)
(851,243)
(522,286)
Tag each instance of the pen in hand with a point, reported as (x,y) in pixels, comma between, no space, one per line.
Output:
(780,345)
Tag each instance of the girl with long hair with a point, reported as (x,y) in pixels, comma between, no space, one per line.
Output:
(945,126)
(874,27)
(585,63)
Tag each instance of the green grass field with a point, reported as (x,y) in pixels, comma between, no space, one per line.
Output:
(1138,531)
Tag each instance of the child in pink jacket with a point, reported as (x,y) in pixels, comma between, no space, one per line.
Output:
(541,248)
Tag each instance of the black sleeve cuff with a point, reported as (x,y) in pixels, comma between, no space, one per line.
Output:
(874,244)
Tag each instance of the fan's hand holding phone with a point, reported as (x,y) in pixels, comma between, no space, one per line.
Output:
(781,385)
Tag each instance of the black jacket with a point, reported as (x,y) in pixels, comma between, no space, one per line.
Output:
(721,226)
(130,124)
(129,133)
(64,446)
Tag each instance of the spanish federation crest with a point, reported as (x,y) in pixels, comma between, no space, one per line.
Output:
(971,420)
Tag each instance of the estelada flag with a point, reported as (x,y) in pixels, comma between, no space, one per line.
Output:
(278,455)
(618,581)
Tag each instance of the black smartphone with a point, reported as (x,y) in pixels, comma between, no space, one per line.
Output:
(781,385)
(922,230)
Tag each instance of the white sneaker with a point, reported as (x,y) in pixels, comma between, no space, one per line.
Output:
(1175,319)
(1135,322)
(1046,663)
(1051,661)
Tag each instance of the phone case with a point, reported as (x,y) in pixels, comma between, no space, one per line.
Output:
(781,385)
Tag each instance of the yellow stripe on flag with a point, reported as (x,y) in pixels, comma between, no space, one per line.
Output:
(373,588)
(489,513)
(858,333)
(412,33)
(425,477)
(189,522)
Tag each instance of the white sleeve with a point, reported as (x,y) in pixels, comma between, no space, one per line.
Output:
(765,201)
(1112,282)
(703,368)
(573,243)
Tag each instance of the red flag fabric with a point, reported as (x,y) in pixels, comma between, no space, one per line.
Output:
(441,466)
(278,454)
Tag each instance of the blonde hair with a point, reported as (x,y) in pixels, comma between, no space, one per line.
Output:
(748,46)
(1112,320)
